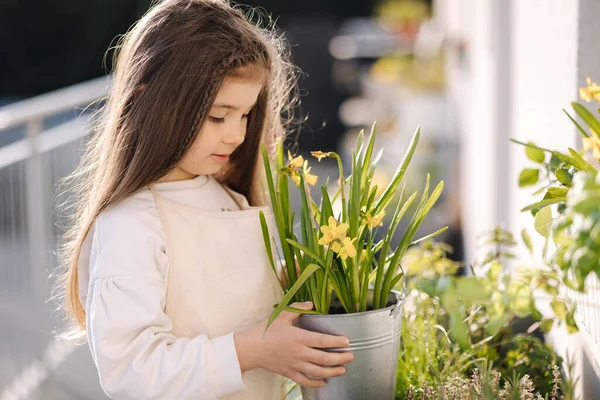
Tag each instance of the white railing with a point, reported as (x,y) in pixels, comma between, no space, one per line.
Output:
(587,316)
(27,163)
(30,168)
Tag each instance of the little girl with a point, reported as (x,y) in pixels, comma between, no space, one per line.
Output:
(167,270)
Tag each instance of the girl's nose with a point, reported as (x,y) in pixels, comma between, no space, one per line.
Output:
(235,135)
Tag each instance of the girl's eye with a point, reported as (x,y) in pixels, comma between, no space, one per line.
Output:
(216,120)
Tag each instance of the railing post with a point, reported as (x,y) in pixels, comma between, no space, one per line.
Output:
(37,217)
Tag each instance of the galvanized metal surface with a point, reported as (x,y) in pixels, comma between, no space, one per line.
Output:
(375,343)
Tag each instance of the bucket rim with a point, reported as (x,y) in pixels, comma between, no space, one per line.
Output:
(400,297)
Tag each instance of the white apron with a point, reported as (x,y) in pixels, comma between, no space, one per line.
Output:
(219,277)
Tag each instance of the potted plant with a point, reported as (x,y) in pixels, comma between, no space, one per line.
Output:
(342,265)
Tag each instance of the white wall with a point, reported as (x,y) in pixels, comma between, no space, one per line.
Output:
(543,81)
(470,73)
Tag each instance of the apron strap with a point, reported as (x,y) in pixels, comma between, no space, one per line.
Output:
(239,199)
(162,217)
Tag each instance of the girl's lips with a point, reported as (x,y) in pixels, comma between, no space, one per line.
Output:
(220,157)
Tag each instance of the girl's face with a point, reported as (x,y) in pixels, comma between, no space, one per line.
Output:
(223,131)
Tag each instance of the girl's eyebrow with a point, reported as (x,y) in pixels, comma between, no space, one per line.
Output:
(229,106)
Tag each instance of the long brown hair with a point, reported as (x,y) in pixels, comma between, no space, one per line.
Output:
(179,52)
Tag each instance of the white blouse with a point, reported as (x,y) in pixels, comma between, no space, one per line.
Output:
(123,268)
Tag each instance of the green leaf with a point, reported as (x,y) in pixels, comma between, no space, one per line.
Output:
(428,286)
(444,284)
(586,116)
(369,152)
(494,270)
(300,311)
(399,212)
(535,313)
(535,155)
(583,132)
(388,193)
(556,192)
(547,324)
(423,209)
(564,177)
(580,163)
(326,208)
(530,145)
(495,324)
(519,298)
(307,251)
(560,309)
(548,288)
(450,299)
(431,235)
(542,221)
(527,240)
(397,279)
(308,271)
(459,330)
(472,290)
(528,177)
(279,202)
(544,203)
(570,320)
(266,238)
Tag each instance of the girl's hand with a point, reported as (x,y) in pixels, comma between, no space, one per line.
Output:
(291,351)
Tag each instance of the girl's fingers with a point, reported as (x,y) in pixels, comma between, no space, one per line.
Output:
(292,316)
(324,358)
(323,341)
(303,380)
(316,371)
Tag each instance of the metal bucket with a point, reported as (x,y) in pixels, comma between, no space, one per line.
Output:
(374,341)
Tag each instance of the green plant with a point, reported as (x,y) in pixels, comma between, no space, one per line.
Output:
(428,355)
(488,385)
(571,181)
(579,249)
(488,302)
(339,253)
(487,305)
(526,354)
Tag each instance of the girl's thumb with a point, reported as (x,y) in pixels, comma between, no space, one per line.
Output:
(307,305)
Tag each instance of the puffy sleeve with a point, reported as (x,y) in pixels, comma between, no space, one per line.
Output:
(129,334)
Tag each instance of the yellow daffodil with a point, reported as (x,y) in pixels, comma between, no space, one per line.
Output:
(319,155)
(345,249)
(376,220)
(332,231)
(296,162)
(369,220)
(310,178)
(295,177)
(299,163)
(592,91)
(592,143)
(585,94)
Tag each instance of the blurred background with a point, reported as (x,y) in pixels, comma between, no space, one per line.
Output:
(471,73)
